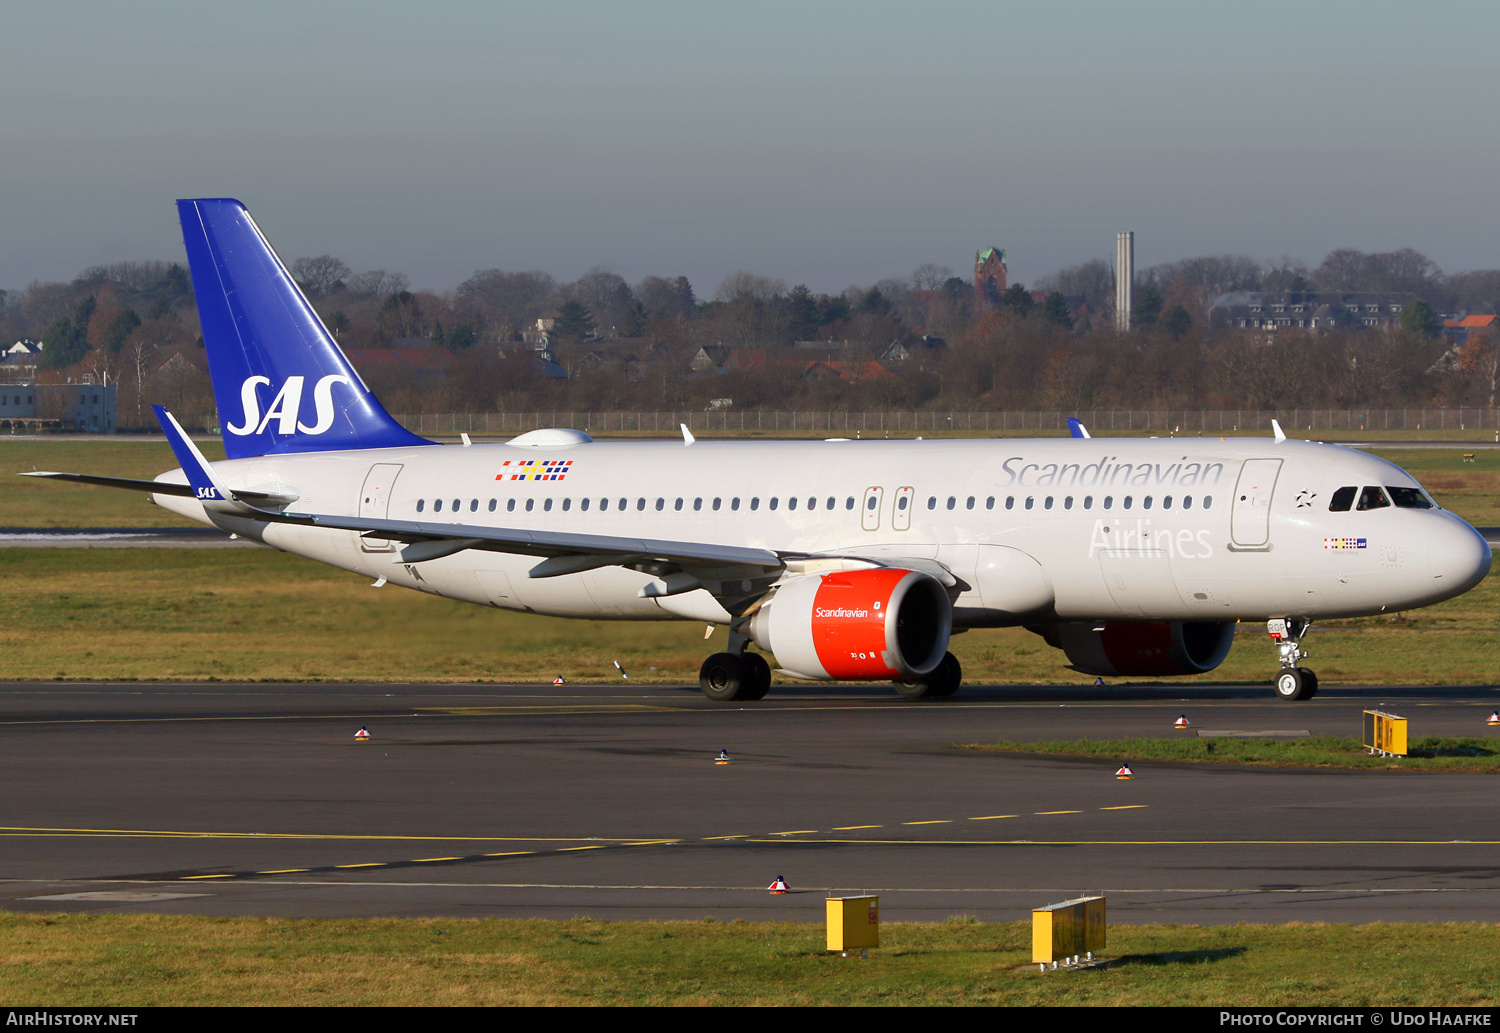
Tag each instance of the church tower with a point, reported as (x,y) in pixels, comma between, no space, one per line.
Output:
(989,277)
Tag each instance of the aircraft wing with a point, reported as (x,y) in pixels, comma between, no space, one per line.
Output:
(430,540)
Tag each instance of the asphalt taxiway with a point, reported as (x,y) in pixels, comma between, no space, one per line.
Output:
(525,800)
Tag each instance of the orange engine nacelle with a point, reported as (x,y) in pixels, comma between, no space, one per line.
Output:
(856,625)
(1142,647)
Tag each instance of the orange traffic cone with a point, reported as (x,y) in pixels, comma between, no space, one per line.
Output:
(1124,772)
(780,886)
(363,735)
(1182,722)
(1098,682)
(559,680)
(1494,718)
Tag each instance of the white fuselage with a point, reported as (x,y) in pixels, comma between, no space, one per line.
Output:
(1184,529)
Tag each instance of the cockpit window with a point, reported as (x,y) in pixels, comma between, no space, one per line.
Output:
(1343,500)
(1372,498)
(1409,498)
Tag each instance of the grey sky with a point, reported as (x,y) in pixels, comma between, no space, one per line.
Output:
(827,143)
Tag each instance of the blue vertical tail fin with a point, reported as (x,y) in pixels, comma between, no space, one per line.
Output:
(281,382)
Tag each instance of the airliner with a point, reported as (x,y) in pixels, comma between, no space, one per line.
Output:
(846,560)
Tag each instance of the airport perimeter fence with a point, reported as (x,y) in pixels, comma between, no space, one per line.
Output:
(850,424)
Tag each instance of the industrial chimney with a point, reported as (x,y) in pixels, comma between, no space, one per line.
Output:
(1124,278)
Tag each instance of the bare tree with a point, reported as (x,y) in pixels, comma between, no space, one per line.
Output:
(743,285)
(320,276)
(1093,280)
(929,277)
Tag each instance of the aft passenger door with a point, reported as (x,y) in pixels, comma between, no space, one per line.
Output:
(375,501)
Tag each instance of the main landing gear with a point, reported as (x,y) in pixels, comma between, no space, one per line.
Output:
(727,676)
(1293,683)
(940,683)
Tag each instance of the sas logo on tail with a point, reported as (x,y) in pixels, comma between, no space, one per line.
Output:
(286,407)
(534,469)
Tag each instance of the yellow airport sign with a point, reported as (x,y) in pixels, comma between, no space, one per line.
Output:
(853,922)
(1064,930)
(1385,733)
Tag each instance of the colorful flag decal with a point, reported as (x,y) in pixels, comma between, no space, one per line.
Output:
(1343,543)
(534,469)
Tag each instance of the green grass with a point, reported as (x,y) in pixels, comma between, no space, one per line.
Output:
(37,502)
(1434,753)
(146,960)
(255,614)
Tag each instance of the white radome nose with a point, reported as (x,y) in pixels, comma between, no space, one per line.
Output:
(1458,556)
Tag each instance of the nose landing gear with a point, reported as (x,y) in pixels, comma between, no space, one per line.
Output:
(1293,683)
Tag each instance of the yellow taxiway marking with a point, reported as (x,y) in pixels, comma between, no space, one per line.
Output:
(727,837)
(611,708)
(1125,807)
(793,832)
(561,849)
(510,853)
(283,871)
(1147,842)
(992,817)
(367,864)
(1056,812)
(208,876)
(179,834)
(654,842)
(852,828)
(429,860)
(939,821)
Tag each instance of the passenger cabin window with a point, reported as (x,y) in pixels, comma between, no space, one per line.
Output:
(530,505)
(437,505)
(1372,498)
(420,504)
(848,503)
(1343,500)
(493,504)
(510,505)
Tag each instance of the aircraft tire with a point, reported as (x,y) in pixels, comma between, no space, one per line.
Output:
(940,683)
(1296,683)
(725,677)
(758,674)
